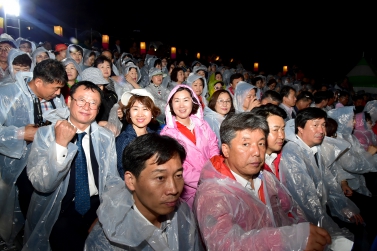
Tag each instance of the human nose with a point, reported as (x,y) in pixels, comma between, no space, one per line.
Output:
(255,151)
(172,187)
(281,134)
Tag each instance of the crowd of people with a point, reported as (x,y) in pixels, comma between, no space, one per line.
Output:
(115,150)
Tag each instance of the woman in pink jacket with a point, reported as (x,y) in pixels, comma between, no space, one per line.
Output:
(185,123)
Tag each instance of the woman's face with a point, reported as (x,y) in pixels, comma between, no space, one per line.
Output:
(249,98)
(219,77)
(182,104)
(181,64)
(41,56)
(133,74)
(272,86)
(105,69)
(77,56)
(218,86)
(197,86)
(140,115)
(26,47)
(223,104)
(90,61)
(180,76)
(71,71)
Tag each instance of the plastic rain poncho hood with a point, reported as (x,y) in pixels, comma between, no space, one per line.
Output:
(11,78)
(192,78)
(123,86)
(242,90)
(20,39)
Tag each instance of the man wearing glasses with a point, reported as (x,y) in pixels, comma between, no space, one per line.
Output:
(69,163)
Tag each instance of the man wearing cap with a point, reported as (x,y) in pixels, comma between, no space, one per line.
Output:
(60,52)
(23,107)
(158,91)
(68,167)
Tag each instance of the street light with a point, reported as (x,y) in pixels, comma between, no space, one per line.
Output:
(11,7)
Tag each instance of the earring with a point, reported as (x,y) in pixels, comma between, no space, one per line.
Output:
(152,117)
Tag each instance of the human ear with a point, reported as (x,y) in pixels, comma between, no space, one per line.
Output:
(130,180)
(225,149)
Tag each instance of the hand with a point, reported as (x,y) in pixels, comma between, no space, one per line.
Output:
(346,189)
(120,113)
(253,104)
(64,132)
(372,149)
(357,219)
(116,78)
(318,238)
(130,80)
(30,131)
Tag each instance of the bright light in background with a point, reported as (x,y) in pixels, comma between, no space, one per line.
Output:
(11,7)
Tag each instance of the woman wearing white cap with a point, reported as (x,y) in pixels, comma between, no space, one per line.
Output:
(140,114)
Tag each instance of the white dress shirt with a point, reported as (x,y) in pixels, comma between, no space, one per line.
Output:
(245,183)
(61,154)
(269,160)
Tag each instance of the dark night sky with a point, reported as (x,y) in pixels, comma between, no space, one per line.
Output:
(326,41)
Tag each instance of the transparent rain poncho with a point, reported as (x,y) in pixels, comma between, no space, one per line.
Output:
(120,227)
(192,78)
(37,52)
(50,179)
(16,112)
(230,217)
(313,187)
(371,108)
(123,86)
(242,90)
(214,120)
(11,78)
(364,134)
(355,160)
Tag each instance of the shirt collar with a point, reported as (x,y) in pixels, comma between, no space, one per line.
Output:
(87,130)
(314,149)
(270,158)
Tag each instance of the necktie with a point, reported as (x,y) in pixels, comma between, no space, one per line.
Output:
(316,159)
(293,115)
(82,196)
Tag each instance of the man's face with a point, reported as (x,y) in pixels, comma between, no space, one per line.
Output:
(157,79)
(4,51)
(47,91)
(291,99)
(313,132)
(107,54)
(40,57)
(77,56)
(18,68)
(344,100)
(268,100)
(63,53)
(235,82)
(276,136)
(157,189)
(245,154)
(86,114)
(25,47)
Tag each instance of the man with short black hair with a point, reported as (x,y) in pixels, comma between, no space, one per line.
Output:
(304,100)
(239,206)
(305,170)
(274,116)
(288,95)
(234,79)
(271,97)
(147,212)
(321,99)
(18,61)
(23,107)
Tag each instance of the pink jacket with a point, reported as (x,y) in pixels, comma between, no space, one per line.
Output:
(197,155)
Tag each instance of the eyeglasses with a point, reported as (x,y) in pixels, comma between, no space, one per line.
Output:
(82,102)
(224,102)
(5,49)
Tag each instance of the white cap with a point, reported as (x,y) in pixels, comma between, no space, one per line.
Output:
(139,92)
